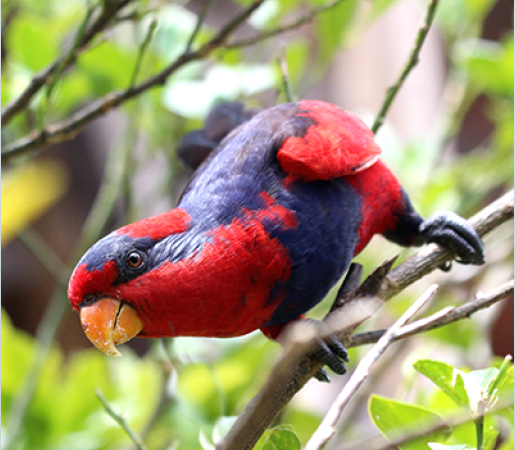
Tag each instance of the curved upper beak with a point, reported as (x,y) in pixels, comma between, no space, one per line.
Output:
(109,322)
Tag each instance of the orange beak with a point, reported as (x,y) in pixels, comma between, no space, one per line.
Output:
(109,322)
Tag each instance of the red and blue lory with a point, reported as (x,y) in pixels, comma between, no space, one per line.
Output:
(281,202)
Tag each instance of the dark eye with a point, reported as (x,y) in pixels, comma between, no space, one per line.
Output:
(88,299)
(135,260)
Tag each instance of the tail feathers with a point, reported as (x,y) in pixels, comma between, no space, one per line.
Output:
(222,119)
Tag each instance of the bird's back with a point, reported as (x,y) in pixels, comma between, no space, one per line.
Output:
(315,221)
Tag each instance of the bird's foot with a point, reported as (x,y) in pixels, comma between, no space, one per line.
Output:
(329,351)
(455,234)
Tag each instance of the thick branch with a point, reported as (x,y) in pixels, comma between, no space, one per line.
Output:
(283,384)
(433,256)
(65,61)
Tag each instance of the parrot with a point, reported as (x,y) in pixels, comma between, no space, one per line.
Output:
(280,202)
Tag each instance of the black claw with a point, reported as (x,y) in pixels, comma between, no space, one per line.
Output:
(337,347)
(326,355)
(329,351)
(453,232)
(322,376)
(446,266)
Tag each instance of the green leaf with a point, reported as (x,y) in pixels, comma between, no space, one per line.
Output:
(508,444)
(466,432)
(446,377)
(447,447)
(379,7)
(504,379)
(281,438)
(478,8)
(477,383)
(490,438)
(304,422)
(397,419)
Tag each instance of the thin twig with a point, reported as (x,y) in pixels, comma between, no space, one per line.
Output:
(285,78)
(70,127)
(68,57)
(39,80)
(410,64)
(441,318)
(200,20)
(142,49)
(328,428)
(135,438)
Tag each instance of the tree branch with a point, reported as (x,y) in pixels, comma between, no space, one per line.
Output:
(327,429)
(135,438)
(432,256)
(65,61)
(410,64)
(439,319)
(70,127)
(292,373)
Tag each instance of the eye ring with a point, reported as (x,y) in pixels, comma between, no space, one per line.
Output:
(135,260)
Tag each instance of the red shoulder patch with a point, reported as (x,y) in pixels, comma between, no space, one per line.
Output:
(157,227)
(339,144)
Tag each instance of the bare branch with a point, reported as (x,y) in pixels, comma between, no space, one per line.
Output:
(410,64)
(65,61)
(70,127)
(200,20)
(432,256)
(135,438)
(443,317)
(328,428)
(285,77)
(282,385)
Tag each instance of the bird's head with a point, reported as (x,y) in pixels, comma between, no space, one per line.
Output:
(105,286)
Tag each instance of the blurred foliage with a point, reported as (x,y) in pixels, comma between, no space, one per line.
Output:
(20,205)
(185,394)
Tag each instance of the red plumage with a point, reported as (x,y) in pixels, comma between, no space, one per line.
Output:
(267,226)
